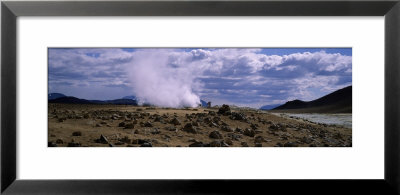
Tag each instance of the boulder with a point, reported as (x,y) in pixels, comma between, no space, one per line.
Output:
(249,132)
(215,144)
(224,110)
(239,130)
(51,144)
(73,144)
(215,135)
(121,124)
(129,126)
(125,140)
(189,128)
(229,141)
(196,144)
(102,139)
(59,141)
(148,124)
(290,144)
(77,133)
(155,131)
(175,121)
(147,144)
(226,128)
(171,128)
(238,116)
(277,127)
(258,139)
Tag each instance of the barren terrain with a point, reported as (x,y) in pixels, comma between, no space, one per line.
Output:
(90,125)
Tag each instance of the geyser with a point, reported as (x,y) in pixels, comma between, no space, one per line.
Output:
(157,81)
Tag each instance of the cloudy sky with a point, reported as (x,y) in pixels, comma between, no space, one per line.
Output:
(176,77)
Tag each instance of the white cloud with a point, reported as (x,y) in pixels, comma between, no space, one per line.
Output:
(177,77)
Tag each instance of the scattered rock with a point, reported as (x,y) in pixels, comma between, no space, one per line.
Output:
(238,116)
(215,135)
(192,140)
(249,132)
(171,128)
(254,126)
(102,139)
(125,140)
(147,144)
(74,144)
(229,141)
(148,124)
(175,121)
(77,133)
(244,144)
(234,136)
(158,119)
(129,126)
(306,140)
(59,141)
(258,139)
(195,123)
(51,144)
(258,144)
(239,130)
(215,144)
(189,128)
(226,128)
(121,124)
(277,127)
(155,131)
(279,144)
(197,144)
(290,144)
(224,110)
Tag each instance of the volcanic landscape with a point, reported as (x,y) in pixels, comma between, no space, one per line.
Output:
(109,125)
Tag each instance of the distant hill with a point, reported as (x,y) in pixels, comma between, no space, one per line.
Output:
(70,100)
(269,107)
(74,100)
(53,96)
(130,97)
(339,101)
(122,102)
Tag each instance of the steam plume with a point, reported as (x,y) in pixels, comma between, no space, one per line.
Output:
(156,81)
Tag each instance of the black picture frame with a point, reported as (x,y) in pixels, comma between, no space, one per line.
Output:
(10,10)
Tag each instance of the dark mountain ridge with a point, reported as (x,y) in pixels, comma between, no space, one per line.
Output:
(74,100)
(269,107)
(53,96)
(339,101)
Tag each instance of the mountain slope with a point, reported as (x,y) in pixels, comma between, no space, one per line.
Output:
(74,100)
(269,107)
(339,101)
(53,96)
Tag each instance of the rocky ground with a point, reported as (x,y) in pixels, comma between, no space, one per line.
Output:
(77,125)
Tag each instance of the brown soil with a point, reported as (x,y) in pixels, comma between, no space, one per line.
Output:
(83,125)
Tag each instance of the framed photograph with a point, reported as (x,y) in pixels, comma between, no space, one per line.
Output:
(193,97)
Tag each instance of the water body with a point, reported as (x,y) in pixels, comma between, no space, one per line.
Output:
(329,119)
